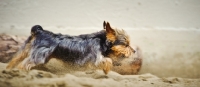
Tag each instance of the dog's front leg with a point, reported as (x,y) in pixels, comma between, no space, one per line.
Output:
(105,64)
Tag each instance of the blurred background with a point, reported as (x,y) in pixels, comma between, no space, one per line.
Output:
(167,31)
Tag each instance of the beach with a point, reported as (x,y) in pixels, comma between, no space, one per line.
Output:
(167,33)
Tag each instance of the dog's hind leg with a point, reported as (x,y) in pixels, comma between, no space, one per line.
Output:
(19,57)
(26,64)
(24,51)
(39,55)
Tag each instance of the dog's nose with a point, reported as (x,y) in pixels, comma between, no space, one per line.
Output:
(134,51)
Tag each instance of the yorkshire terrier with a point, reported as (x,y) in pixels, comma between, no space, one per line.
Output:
(98,49)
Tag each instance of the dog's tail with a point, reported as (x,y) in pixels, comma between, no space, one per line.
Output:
(35,29)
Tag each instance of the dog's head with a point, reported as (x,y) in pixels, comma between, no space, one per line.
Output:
(119,43)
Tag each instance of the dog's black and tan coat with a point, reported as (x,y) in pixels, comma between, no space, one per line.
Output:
(99,48)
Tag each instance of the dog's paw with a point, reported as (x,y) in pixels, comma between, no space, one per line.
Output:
(30,66)
(21,67)
(26,67)
(107,65)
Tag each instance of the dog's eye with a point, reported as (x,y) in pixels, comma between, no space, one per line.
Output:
(126,45)
(122,55)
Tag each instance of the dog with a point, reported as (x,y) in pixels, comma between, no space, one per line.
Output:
(98,49)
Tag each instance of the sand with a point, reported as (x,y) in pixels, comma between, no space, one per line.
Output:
(61,78)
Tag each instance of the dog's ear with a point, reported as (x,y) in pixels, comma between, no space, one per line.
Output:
(110,33)
(104,25)
(108,28)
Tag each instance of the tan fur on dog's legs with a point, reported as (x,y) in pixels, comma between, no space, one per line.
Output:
(26,64)
(19,57)
(106,65)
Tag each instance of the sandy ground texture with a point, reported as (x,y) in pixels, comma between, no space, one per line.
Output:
(55,77)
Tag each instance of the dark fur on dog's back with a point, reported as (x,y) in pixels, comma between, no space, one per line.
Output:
(75,49)
(78,51)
